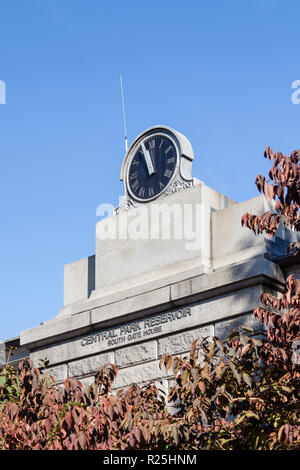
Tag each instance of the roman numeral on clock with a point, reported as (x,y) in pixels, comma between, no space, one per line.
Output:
(151,192)
(168,173)
(142,192)
(132,176)
(171,160)
(135,185)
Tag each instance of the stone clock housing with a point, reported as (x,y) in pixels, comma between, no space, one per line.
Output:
(136,299)
(158,163)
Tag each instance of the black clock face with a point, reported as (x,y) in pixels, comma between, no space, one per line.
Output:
(152,167)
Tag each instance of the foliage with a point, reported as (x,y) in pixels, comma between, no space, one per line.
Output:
(283,188)
(9,383)
(72,417)
(245,394)
(239,394)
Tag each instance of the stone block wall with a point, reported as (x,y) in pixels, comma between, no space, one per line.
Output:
(139,363)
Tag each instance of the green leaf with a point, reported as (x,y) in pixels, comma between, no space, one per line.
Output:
(247,414)
(240,418)
(251,414)
(2,381)
(286,389)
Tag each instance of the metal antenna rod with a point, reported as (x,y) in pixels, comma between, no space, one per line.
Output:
(124,118)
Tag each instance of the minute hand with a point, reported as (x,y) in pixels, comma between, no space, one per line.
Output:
(148,159)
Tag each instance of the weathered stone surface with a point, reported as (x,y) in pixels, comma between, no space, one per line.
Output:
(136,354)
(59,373)
(230,241)
(19,354)
(227,305)
(64,325)
(182,342)
(147,300)
(86,381)
(226,280)
(89,365)
(224,328)
(192,273)
(140,374)
(157,251)
(55,353)
(11,352)
(79,280)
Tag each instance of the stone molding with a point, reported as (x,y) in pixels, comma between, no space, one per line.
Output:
(102,314)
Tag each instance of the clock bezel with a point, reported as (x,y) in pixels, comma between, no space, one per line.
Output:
(132,152)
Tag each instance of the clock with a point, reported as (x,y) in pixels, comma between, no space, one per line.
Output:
(156,164)
(151,166)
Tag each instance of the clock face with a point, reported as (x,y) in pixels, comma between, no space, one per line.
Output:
(152,166)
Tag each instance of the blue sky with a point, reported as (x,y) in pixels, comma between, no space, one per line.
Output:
(218,72)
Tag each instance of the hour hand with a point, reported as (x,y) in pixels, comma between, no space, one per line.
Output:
(148,159)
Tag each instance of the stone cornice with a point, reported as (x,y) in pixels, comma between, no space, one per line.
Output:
(104,312)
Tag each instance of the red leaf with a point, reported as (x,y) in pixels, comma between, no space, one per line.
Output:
(137,434)
(82,440)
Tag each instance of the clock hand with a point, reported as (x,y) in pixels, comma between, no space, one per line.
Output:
(148,159)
